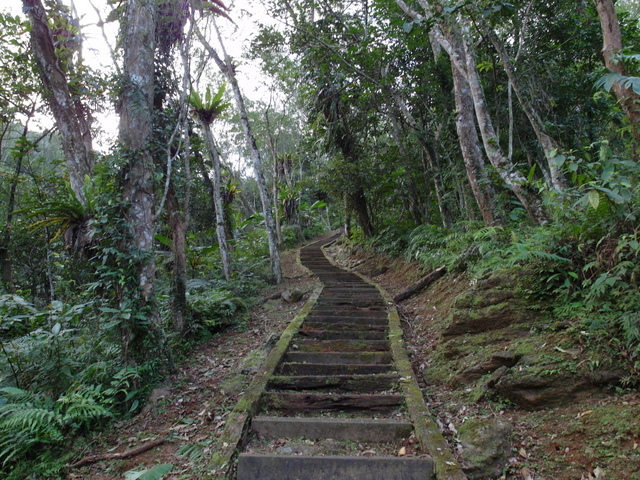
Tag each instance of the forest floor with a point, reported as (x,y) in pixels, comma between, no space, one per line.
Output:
(582,441)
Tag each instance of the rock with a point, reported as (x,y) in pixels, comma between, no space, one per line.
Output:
(487,384)
(292,296)
(479,370)
(533,390)
(486,446)
(491,304)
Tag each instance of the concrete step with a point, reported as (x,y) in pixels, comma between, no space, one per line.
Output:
(352,327)
(350,312)
(338,369)
(311,345)
(339,358)
(296,467)
(353,320)
(336,383)
(322,334)
(343,429)
(296,402)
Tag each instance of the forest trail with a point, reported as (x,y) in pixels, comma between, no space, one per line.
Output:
(342,401)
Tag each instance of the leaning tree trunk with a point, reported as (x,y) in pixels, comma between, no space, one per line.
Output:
(472,156)
(546,142)
(69,115)
(611,47)
(530,200)
(217,199)
(227,68)
(462,58)
(136,109)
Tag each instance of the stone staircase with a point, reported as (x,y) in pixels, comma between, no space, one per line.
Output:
(336,405)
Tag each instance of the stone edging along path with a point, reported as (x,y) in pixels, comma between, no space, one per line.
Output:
(338,378)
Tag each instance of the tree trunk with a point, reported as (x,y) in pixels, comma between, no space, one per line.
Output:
(136,109)
(611,47)
(471,149)
(69,115)
(360,207)
(546,142)
(217,199)
(462,58)
(227,68)
(432,158)
(178,229)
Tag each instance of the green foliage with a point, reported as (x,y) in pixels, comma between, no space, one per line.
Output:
(216,309)
(154,473)
(30,421)
(210,107)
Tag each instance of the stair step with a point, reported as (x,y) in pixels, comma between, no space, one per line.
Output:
(336,383)
(328,369)
(289,402)
(310,345)
(336,358)
(343,429)
(296,467)
(356,320)
(320,334)
(352,327)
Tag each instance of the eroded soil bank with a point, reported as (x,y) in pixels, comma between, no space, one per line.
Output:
(518,395)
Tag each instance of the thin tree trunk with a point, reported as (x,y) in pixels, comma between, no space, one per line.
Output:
(178,229)
(530,200)
(227,68)
(217,198)
(471,149)
(611,47)
(462,58)
(70,119)
(547,143)
(432,158)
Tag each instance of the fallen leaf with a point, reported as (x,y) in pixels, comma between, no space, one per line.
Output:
(585,413)
(523,453)
(526,473)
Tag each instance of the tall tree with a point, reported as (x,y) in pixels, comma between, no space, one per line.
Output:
(611,50)
(136,130)
(206,110)
(72,116)
(226,66)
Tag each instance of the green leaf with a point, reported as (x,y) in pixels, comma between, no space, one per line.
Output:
(594,199)
(164,240)
(155,473)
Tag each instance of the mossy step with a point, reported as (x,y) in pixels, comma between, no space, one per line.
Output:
(343,327)
(333,311)
(300,467)
(336,383)
(351,303)
(292,402)
(343,429)
(346,318)
(310,345)
(322,334)
(337,369)
(334,358)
